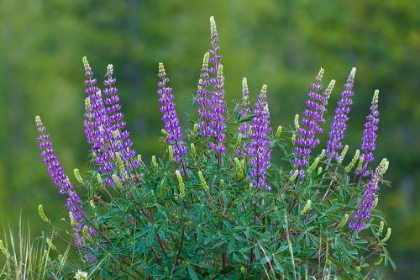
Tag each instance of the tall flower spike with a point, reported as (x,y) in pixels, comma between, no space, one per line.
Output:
(369,136)
(203,96)
(170,117)
(122,142)
(313,117)
(104,126)
(74,203)
(340,119)
(369,196)
(217,119)
(244,127)
(259,149)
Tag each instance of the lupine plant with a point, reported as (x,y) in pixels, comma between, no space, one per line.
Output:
(215,205)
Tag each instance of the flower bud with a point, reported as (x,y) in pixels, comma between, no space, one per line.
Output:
(203,182)
(72,221)
(99,179)
(222,183)
(243,270)
(381,228)
(343,154)
(195,129)
(171,153)
(42,214)
(344,221)
(294,175)
(297,122)
(278,132)
(120,162)
(239,139)
(349,167)
(77,175)
(319,170)
(4,250)
(306,208)
(387,236)
(154,163)
(86,234)
(193,151)
(164,132)
(117,181)
(360,165)
(181,184)
(293,138)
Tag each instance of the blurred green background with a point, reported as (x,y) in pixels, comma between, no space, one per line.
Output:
(279,43)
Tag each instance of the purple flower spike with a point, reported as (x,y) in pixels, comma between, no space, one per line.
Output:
(216,126)
(313,117)
(104,126)
(368,203)
(244,127)
(340,119)
(170,117)
(259,149)
(203,97)
(369,136)
(59,179)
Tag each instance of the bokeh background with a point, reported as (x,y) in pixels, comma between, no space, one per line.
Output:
(279,43)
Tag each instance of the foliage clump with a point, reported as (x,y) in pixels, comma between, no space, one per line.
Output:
(214,206)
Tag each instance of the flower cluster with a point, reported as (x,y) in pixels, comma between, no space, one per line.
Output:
(313,118)
(59,179)
(259,148)
(170,117)
(369,136)
(370,198)
(340,119)
(104,126)
(212,104)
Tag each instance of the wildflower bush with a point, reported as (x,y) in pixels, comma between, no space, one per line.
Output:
(214,206)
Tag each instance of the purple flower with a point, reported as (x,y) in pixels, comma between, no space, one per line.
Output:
(104,126)
(203,97)
(59,179)
(212,110)
(244,127)
(313,117)
(369,136)
(170,117)
(366,205)
(340,119)
(259,148)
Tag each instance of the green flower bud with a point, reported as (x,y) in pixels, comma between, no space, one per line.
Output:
(293,138)
(243,270)
(293,177)
(52,246)
(344,221)
(220,71)
(171,153)
(92,204)
(42,214)
(375,202)
(349,167)
(116,181)
(278,132)
(72,220)
(87,104)
(313,165)
(86,234)
(306,208)
(381,228)
(343,154)
(384,166)
(193,151)
(222,183)
(181,184)
(249,133)
(77,175)
(322,154)
(297,122)
(387,236)
(319,170)
(357,268)
(239,168)
(164,132)
(239,139)
(203,182)
(120,162)
(195,129)
(329,89)
(60,257)
(360,165)
(379,261)
(154,163)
